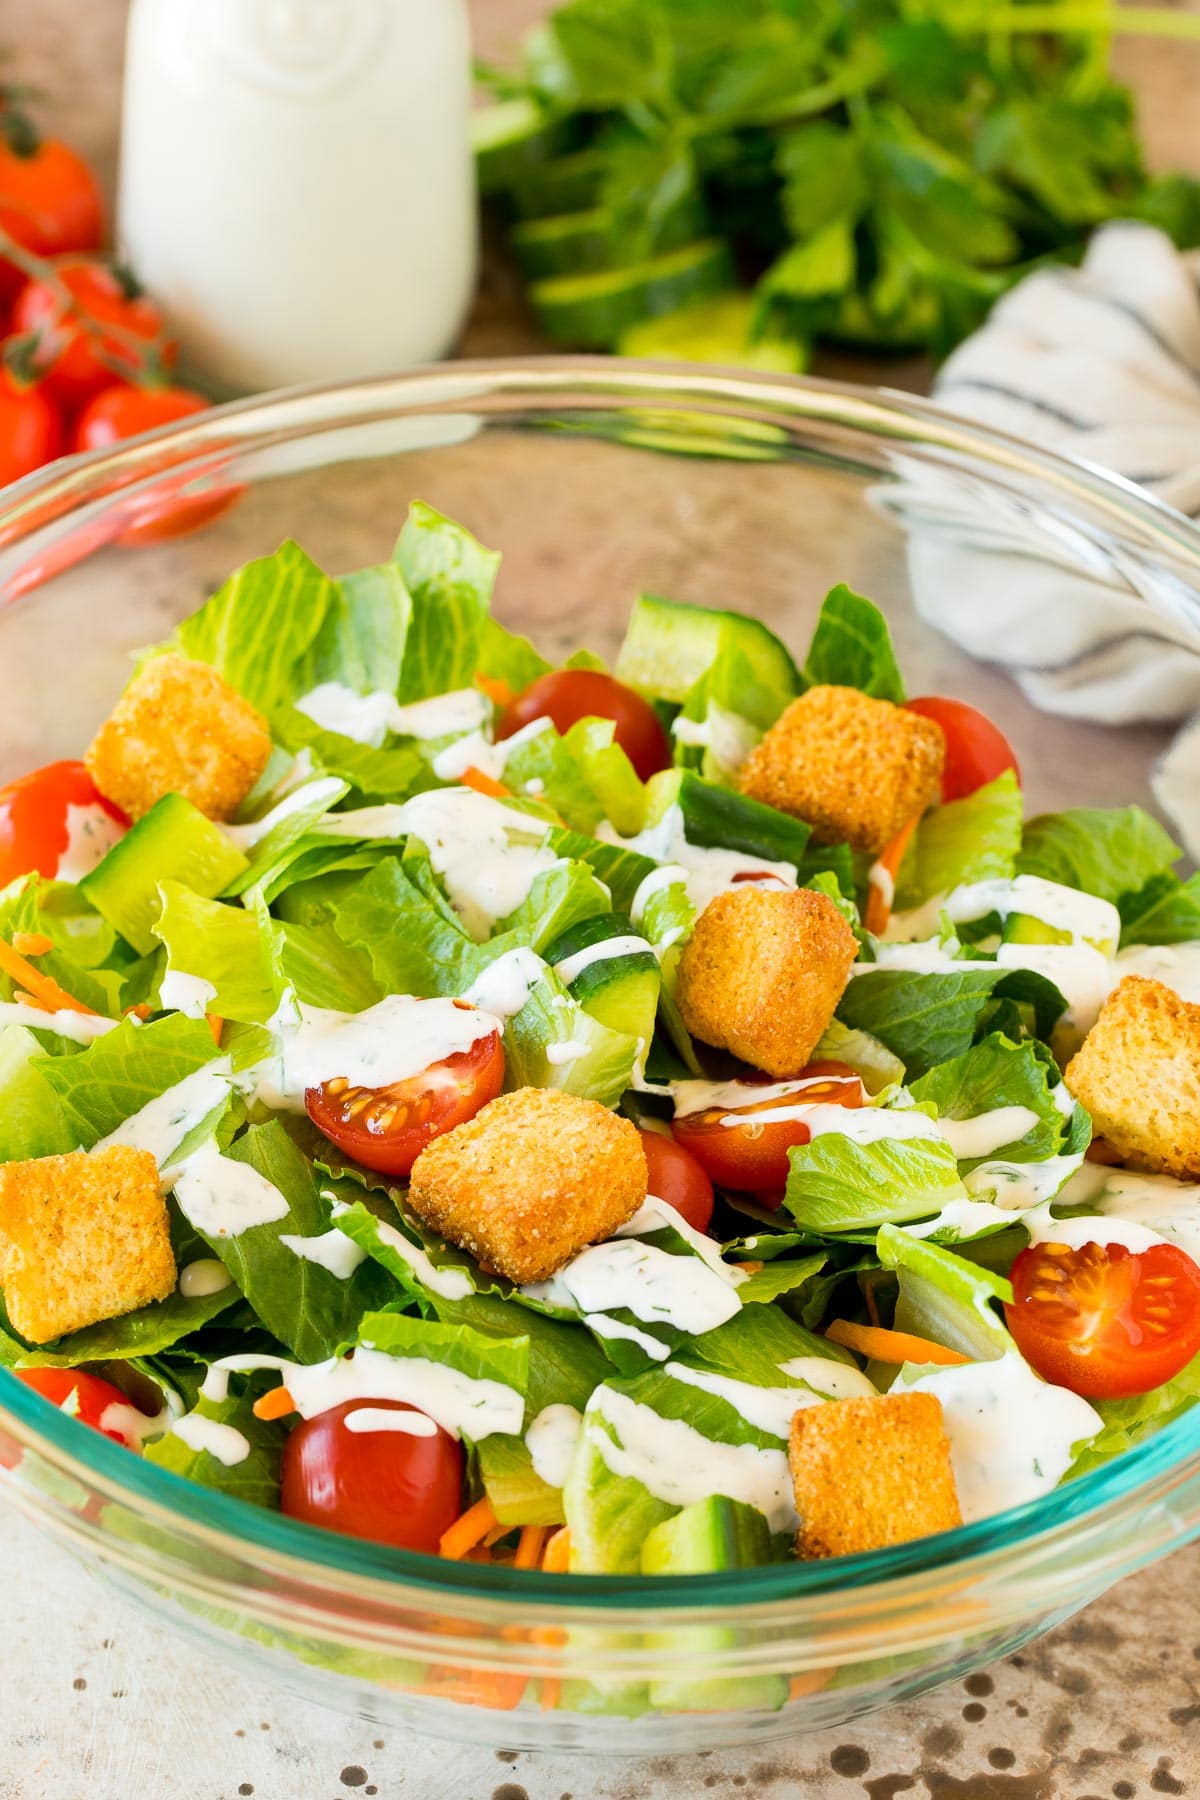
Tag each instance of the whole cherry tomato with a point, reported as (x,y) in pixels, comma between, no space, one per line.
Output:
(91,327)
(123,411)
(50,812)
(976,750)
(677,1178)
(399,1486)
(31,431)
(50,202)
(567,695)
(88,1398)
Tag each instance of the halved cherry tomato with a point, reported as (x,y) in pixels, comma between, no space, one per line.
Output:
(35,825)
(976,750)
(386,1128)
(750,1155)
(567,695)
(677,1178)
(392,1486)
(31,430)
(50,202)
(86,1398)
(77,362)
(1105,1321)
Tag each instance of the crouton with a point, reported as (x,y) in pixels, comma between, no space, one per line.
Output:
(179,728)
(83,1237)
(762,972)
(871,1472)
(1138,1075)
(530,1180)
(854,768)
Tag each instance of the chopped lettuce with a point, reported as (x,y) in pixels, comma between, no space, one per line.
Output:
(362,637)
(225,949)
(945,1298)
(1165,911)
(450,577)
(1128,1423)
(852,647)
(1111,852)
(478,1355)
(552,1042)
(927,1018)
(259,628)
(583,775)
(837,1184)
(508,657)
(992,1074)
(973,839)
(102,1086)
(32,1122)
(255,1478)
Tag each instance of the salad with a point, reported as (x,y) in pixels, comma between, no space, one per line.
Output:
(654,1121)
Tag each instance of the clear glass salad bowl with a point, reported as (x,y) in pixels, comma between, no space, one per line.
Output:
(595,479)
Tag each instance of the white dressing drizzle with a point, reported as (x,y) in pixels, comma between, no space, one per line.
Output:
(772,1409)
(1084,917)
(202,1277)
(162,1124)
(503,988)
(1011,1434)
(604,1327)
(551,1441)
(707,871)
(332,1250)
(478,752)
(388,1418)
(655,1286)
(229,1445)
(222,1197)
(391,1041)
(367,718)
(91,834)
(190,995)
(80,1028)
(1177,966)
(319,793)
(1169,1210)
(987,1132)
(719,1096)
(604,951)
(447,1284)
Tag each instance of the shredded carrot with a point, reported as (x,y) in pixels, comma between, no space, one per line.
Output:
(879,902)
(275,1405)
(469,1529)
(556,1557)
(497,691)
(889,1346)
(31,943)
(43,988)
(752,1268)
(485,784)
(811,1682)
(214,1025)
(495,1534)
(551,1696)
(142,1010)
(530,1545)
(476,1687)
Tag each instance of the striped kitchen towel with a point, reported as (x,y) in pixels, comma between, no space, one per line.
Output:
(1103,363)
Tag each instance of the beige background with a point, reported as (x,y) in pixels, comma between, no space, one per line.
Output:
(99,1703)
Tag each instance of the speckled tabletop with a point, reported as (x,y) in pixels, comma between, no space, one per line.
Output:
(99,1702)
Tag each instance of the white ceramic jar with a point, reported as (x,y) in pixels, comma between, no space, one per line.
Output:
(296,182)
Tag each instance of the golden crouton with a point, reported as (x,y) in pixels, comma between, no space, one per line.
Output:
(530,1180)
(179,728)
(854,768)
(1138,1074)
(83,1237)
(762,972)
(871,1472)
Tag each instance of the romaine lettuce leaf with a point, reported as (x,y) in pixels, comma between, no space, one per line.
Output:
(389,773)
(992,1074)
(554,1043)
(255,1479)
(102,1086)
(506,656)
(836,1184)
(362,636)
(583,775)
(945,1298)
(300,1302)
(1165,911)
(852,647)
(1111,852)
(871,1060)
(1128,1423)
(966,840)
(476,1354)
(323,970)
(226,947)
(32,1122)
(430,1270)
(927,1018)
(752,1345)
(258,628)
(87,960)
(450,577)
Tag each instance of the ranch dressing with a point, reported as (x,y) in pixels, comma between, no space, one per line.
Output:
(229,1445)
(771,1409)
(1168,1209)
(503,988)
(551,1440)
(388,1042)
(1177,966)
(707,871)
(80,1028)
(222,1197)
(162,1124)
(91,834)
(387,1418)
(368,718)
(297,185)
(1012,1435)
(332,1250)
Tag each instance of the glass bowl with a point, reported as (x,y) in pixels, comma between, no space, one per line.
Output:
(595,479)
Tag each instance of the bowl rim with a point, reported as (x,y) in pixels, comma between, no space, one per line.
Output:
(1149,1472)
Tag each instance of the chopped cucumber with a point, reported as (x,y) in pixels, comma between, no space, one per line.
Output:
(717,817)
(174,842)
(621,990)
(1023,928)
(512,138)
(716,330)
(593,310)
(573,243)
(565,184)
(669,645)
(710,1535)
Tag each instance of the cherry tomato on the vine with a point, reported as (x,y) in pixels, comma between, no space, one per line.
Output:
(399,1486)
(123,411)
(677,1178)
(1105,1321)
(50,202)
(31,431)
(386,1128)
(567,695)
(976,750)
(742,1150)
(87,1398)
(93,334)
(36,822)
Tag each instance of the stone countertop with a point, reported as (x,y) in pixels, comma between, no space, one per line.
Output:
(100,1702)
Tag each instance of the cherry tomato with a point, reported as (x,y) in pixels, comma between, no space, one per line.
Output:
(567,695)
(34,818)
(31,431)
(79,363)
(1105,1321)
(50,202)
(976,750)
(87,1398)
(122,411)
(750,1155)
(391,1486)
(677,1178)
(387,1128)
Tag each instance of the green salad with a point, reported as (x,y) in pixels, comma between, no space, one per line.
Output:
(658,1120)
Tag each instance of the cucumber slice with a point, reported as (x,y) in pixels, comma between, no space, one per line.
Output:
(715,817)
(713,331)
(593,310)
(174,842)
(709,1535)
(1023,928)
(564,184)
(510,139)
(574,243)
(669,645)
(614,981)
